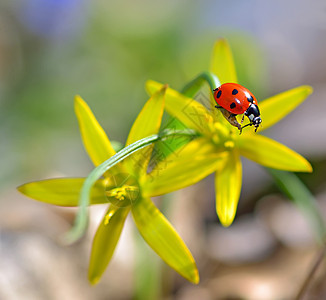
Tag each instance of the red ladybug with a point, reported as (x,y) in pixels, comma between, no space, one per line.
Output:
(233,99)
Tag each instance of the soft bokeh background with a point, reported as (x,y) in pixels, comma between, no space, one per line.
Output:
(51,50)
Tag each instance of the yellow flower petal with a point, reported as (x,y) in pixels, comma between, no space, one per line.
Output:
(105,241)
(277,107)
(163,239)
(270,153)
(63,191)
(190,112)
(189,165)
(222,63)
(147,123)
(228,182)
(95,140)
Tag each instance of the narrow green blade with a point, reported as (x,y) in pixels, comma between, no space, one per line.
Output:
(293,188)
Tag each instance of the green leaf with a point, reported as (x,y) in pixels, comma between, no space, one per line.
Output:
(295,189)
(105,241)
(165,147)
(63,191)
(270,153)
(164,240)
(222,63)
(228,181)
(95,140)
(277,107)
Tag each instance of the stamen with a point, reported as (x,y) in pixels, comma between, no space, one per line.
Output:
(229,144)
(121,193)
(123,196)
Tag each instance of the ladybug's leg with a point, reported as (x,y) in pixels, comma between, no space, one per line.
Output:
(231,118)
(249,124)
(242,119)
(217,106)
(233,121)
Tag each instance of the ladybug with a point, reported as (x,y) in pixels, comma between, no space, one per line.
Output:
(233,99)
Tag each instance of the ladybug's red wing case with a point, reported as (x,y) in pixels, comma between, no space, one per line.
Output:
(234,98)
(232,105)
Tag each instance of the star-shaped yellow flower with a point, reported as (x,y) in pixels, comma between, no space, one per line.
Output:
(125,188)
(220,137)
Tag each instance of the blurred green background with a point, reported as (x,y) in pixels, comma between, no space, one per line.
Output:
(51,50)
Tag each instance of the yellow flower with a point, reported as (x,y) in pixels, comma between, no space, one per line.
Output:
(124,187)
(218,136)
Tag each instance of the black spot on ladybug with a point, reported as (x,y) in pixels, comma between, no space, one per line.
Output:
(234,92)
(218,95)
(250,99)
(232,105)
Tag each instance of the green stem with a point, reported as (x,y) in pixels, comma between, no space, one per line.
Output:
(81,219)
(295,190)
(208,77)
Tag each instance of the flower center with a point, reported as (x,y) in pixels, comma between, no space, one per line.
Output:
(122,190)
(122,193)
(229,144)
(222,136)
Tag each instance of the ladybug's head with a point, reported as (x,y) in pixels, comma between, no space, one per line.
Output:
(253,114)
